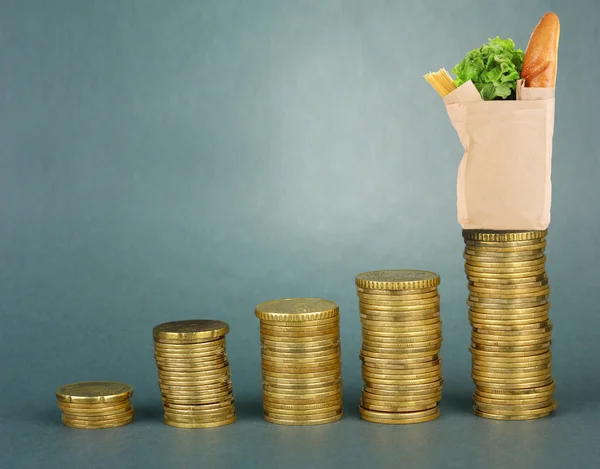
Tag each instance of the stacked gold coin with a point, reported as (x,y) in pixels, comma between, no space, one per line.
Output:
(402,337)
(301,361)
(511,329)
(193,373)
(95,404)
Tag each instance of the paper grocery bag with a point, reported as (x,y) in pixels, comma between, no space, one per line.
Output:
(504,175)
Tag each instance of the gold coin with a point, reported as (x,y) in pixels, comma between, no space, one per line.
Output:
(401,406)
(507,303)
(514,334)
(193,408)
(306,413)
(483,246)
(201,413)
(300,357)
(385,296)
(430,354)
(379,388)
(516,400)
(510,264)
(292,422)
(91,426)
(94,408)
(486,357)
(299,331)
(514,410)
(506,281)
(302,403)
(196,389)
(508,293)
(402,421)
(301,417)
(180,424)
(302,367)
(221,394)
(206,360)
(510,341)
(400,351)
(302,325)
(401,398)
(428,302)
(504,236)
(92,392)
(478,322)
(300,346)
(197,368)
(401,372)
(191,329)
(516,376)
(371,381)
(300,337)
(512,348)
(208,374)
(418,309)
(296,309)
(525,251)
(522,364)
(516,396)
(401,347)
(301,373)
(498,368)
(473,271)
(218,354)
(276,386)
(205,345)
(534,328)
(396,293)
(406,330)
(514,417)
(325,360)
(394,323)
(293,397)
(193,383)
(295,391)
(203,418)
(392,375)
(485,354)
(384,340)
(93,418)
(525,313)
(509,382)
(396,415)
(487,259)
(398,279)
(214,350)
(308,408)
(544,387)
(399,318)
(196,400)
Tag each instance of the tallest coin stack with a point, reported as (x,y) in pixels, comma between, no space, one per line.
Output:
(511,329)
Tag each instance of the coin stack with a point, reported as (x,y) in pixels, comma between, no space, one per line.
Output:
(301,361)
(95,404)
(511,329)
(402,336)
(193,373)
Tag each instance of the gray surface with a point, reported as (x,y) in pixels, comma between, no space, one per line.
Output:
(168,160)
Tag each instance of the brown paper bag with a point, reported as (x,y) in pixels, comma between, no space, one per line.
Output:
(504,175)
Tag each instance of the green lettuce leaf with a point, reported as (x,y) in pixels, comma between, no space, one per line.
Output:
(494,69)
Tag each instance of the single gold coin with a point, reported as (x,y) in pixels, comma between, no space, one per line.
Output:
(301,377)
(95,426)
(545,387)
(277,411)
(514,334)
(92,392)
(427,329)
(494,368)
(296,373)
(293,397)
(191,329)
(399,279)
(513,400)
(275,414)
(504,236)
(507,303)
(197,388)
(181,424)
(300,357)
(486,357)
(302,325)
(514,410)
(396,415)
(394,323)
(198,368)
(300,346)
(478,322)
(93,418)
(294,422)
(383,374)
(509,294)
(304,408)
(487,259)
(535,328)
(221,394)
(217,354)
(277,386)
(193,408)
(379,388)
(477,264)
(430,354)
(484,246)
(195,400)
(396,293)
(302,403)
(94,408)
(300,336)
(510,341)
(403,383)
(402,406)
(302,367)
(524,313)
(506,281)
(511,382)
(391,339)
(407,352)
(512,348)
(418,309)
(385,296)
(399,318)
(508,254)
(200,413)
(485,354)
(211,343)
(516,397)
(208,374)
(401,372)
(427,302)
(522,364)
(296,309)
(510,376)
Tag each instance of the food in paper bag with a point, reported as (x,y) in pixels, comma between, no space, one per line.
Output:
(502,107)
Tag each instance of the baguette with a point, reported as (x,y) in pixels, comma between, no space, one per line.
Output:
(541,57)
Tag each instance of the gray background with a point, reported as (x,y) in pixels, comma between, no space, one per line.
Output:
(183,159)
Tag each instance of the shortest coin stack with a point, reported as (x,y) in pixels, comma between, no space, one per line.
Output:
(301,365)
(95,404)
(193,373)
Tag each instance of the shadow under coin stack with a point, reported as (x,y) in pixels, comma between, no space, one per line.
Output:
(402,337)
(511,329)
(95,404)
(301,361)
(193,373)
